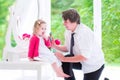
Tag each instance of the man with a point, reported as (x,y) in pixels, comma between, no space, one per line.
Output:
(85,54)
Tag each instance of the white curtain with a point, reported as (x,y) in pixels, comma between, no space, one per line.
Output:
(23,14)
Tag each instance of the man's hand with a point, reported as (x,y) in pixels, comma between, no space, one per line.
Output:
(75,58)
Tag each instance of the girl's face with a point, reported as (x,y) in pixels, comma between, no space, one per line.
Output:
(42,29)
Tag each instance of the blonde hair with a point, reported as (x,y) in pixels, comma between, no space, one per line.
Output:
(37,25)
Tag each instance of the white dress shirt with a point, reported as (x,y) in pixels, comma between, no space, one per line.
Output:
(85,45)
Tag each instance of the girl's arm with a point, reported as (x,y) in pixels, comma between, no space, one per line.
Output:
(31,48)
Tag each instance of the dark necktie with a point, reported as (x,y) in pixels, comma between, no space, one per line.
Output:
(72,44)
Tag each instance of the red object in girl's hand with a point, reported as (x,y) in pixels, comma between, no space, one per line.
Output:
(57,41)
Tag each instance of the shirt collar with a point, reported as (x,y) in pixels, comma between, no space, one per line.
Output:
(76,29)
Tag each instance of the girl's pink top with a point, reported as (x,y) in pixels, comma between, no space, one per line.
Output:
(34,46)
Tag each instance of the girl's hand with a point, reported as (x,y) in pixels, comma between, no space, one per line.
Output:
(31,59)
(45,36)
(53,43)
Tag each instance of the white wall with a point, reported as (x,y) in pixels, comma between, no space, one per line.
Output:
(97,21)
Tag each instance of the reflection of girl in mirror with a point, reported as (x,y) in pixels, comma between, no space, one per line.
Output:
(38,48)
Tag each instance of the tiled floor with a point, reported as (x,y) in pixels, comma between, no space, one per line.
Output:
(110,72)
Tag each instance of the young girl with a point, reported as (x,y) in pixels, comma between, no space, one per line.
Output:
(38,48)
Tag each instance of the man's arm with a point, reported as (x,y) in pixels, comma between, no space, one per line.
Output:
(61,48)
(76,58)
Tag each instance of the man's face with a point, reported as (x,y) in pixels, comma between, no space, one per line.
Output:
(70,25)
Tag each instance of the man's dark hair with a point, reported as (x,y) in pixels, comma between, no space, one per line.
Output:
(71,15)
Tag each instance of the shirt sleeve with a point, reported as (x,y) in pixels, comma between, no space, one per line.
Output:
(84,43)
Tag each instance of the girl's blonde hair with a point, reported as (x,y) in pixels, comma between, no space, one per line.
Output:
(37,25)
